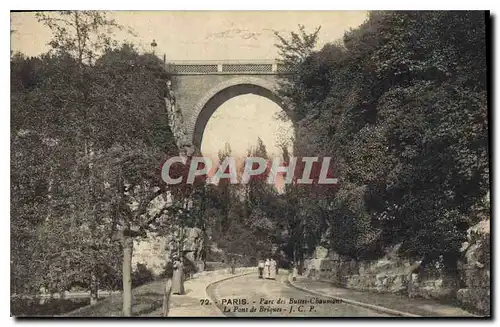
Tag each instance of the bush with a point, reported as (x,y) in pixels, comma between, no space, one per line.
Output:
(142,275)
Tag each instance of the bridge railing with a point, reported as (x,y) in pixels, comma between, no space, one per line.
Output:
(250,67)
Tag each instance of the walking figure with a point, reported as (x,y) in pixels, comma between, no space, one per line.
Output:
(178,277)
(267,264)
(272,269)
(294,271)
(233,266)
(261,268)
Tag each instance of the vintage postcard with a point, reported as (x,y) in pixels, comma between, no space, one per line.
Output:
(276,164)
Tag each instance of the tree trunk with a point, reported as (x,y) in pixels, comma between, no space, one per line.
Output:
(127,276)
(93,287)
(166,297)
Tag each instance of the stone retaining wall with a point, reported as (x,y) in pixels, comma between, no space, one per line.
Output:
(469,285)
(475,291)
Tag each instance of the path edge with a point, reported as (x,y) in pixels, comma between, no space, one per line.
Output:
(212,298)
(356,303)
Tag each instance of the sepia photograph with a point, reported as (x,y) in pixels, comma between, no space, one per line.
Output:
(250,164)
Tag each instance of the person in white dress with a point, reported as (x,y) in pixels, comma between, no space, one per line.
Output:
(294,271)
(272,269)
(261,268)
(178,277)
(266,269)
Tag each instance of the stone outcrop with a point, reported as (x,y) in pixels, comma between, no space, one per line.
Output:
(177,126)
(215,254)
(155,250)
(386,275)
(469,285)
(475,269)
(320,252)
(151,252)
(189,243)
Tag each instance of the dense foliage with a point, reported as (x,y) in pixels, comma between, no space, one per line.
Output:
(79,134)
(401,104)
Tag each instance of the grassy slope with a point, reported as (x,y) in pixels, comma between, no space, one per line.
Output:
(145,299)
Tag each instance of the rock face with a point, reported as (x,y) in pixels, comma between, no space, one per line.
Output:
(320,252)
(188,242)
(150,252)
(392,274)
(216,254)
(475,269)
(386,275)
(177,126)
(155,251)
(193,248)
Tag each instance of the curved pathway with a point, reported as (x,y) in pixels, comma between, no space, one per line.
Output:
(249,296)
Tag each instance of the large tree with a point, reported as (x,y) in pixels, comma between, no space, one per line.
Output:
(400,104)
(96,115)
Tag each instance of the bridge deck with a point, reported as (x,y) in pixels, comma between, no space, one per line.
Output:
(236,67)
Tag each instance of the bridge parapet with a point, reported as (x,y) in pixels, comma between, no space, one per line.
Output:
(225,67)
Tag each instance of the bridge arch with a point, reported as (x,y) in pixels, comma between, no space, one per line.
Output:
(222,92)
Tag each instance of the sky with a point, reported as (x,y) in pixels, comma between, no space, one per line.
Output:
(212,35)
(255,117)
(194,35)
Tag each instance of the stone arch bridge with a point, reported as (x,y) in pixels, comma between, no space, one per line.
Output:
(198,88)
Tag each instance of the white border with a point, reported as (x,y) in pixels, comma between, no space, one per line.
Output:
(199,5)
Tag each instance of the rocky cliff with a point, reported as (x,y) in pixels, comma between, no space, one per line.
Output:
(156,250)
(469,285)
(475,269)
